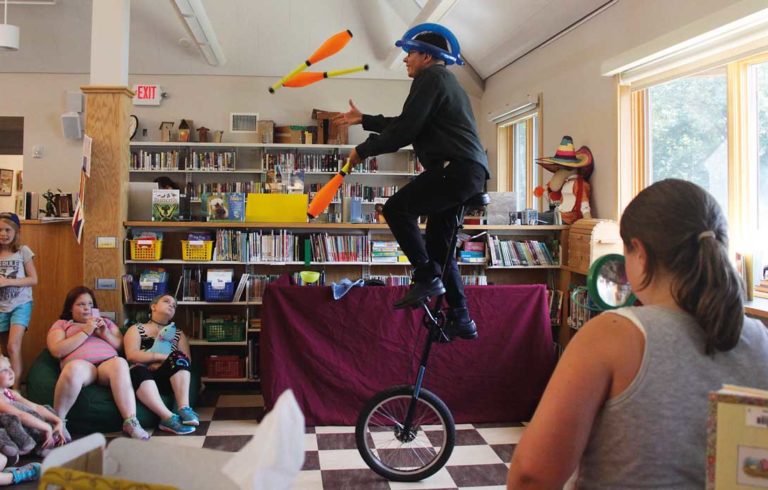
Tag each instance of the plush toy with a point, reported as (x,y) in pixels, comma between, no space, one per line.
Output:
(568,189)
(164,340)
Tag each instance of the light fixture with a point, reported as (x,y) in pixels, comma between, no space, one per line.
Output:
(199,26)
(9,34)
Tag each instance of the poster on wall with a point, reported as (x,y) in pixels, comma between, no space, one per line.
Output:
(87,142)
(19,181)
(6,182)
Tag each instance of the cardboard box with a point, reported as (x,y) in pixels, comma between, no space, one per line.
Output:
(265,131)
(289,134)
(327,132)
(276,208)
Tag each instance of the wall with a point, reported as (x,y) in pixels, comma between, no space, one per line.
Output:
(577,100)
(207,100)
(14,163)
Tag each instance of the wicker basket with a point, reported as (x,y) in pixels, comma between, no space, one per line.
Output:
(149,250)
(224,330)
(224,367)
(197,250)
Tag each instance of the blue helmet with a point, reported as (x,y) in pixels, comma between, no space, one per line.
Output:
(408,43)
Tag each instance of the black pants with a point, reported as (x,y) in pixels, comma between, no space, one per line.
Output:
(436,193)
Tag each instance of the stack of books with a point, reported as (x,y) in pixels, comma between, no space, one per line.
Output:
(386,252)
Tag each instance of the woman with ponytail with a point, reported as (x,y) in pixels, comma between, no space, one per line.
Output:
(627,404)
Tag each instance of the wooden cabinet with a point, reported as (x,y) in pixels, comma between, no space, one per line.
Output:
(59,263)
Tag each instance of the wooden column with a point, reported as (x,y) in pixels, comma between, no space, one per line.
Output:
(106,201)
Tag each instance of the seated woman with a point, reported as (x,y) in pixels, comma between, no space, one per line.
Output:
(87,346)
(162,364)
(627,403)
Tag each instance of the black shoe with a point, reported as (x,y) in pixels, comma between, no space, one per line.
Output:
(458,324)
(421,292)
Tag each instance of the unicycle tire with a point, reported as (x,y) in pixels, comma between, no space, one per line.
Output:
(403,456)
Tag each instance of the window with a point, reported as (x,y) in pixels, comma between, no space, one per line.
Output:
(518,150)
(710,128)
(688,132)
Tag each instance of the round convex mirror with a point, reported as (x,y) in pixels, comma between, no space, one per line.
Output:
(607,283)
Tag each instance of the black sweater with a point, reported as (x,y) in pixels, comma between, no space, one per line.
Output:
(436,118)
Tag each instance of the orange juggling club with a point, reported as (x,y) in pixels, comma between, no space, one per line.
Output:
(331,46)
(326,193)
(308,77)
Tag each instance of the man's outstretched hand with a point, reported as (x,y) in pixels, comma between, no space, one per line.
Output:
(354,116)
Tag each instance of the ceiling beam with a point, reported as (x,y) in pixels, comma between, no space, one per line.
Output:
(433,11)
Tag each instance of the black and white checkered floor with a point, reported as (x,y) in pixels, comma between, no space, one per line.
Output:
(227,418)
(480,459)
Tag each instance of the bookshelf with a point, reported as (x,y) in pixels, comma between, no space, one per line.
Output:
(191,313)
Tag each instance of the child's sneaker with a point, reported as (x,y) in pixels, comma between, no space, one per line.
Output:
(132,428)
(188,416)
(28,472)
(173,424)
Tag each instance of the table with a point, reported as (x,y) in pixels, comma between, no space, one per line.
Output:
(335,355)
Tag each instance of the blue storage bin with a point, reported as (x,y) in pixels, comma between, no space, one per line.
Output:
(141,295)
(224,295)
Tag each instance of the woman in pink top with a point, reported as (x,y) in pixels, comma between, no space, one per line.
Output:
(87,346)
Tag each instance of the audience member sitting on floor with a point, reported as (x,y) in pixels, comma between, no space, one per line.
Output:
(627,403)
(87,346)
(26,425)
(156,370)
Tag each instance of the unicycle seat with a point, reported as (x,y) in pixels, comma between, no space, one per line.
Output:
(478,201)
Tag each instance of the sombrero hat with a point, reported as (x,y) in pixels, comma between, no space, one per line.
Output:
(567,157)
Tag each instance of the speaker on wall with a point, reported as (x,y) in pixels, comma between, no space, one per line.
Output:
(71,125)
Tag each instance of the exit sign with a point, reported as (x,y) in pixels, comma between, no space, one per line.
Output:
(147,94)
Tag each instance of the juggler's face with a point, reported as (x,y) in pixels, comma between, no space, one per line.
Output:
(415,62)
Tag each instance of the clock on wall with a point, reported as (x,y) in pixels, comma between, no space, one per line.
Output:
(133,125)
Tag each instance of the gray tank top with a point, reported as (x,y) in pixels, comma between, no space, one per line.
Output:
(653,435)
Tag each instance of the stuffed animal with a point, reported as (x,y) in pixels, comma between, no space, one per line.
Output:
(164,340)
(568,189)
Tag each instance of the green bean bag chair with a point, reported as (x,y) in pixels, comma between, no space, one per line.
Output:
(95,409)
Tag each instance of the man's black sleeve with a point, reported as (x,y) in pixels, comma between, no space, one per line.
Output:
(377,124)
(418,108)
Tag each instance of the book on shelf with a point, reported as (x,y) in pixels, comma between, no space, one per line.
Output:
(128,287)
(224,206)
(191,289)
(737,438)
(240,287)
(219,277)
(166,204)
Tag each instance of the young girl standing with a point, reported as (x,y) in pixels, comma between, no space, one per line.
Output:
(17,276)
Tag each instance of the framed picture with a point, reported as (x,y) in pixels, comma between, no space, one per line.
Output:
(6,182)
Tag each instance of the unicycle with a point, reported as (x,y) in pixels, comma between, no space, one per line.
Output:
(406,433)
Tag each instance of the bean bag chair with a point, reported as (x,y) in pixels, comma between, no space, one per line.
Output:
(95,409)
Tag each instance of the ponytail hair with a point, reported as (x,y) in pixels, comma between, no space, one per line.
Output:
(685,235)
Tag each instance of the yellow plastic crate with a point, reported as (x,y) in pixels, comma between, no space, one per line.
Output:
(149,250)
(196,251)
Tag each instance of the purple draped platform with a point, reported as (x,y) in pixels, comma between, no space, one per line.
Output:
(335,355)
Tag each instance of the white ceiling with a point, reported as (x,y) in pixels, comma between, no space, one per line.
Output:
(270,37)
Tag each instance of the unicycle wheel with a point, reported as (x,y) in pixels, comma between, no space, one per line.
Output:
(405,454)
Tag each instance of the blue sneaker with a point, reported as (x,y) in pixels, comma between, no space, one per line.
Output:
(188,416)
(175,425)
(28,472)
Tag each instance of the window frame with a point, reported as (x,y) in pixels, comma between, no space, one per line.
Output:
(742,161)
(506,160)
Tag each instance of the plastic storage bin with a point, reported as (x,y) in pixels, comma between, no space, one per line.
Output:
(224,367)
(149,250)
(212,294)
(197,251)
(224,330)
(141,295)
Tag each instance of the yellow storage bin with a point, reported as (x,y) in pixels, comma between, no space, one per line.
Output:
(148,250)
(196,250)
(276,208)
